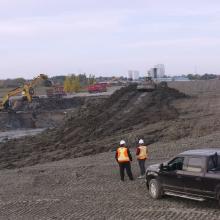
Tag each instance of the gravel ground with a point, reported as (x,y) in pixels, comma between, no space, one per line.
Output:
(89,188)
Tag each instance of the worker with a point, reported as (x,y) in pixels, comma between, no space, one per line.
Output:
(142,155)
(123,157)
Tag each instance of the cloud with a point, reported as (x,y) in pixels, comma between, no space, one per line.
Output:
(184,42)
(64,36)
(58,24)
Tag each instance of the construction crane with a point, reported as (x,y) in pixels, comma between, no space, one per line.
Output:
(26,90)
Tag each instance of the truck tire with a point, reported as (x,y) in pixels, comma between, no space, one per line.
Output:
(155,189)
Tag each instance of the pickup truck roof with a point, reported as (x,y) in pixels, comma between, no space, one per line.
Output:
(201,152)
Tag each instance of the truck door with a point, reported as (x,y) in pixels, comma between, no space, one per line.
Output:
(212,176)
(193,175)
(171,175)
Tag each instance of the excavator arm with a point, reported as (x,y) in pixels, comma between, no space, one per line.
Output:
(37,79)
(27,91)
(5,101)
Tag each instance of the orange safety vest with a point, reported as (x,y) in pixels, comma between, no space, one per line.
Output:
(143,153)
(122,153)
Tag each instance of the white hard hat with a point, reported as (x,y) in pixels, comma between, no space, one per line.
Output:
(141,141)
(122,142)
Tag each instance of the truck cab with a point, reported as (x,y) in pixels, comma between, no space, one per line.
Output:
(193,174)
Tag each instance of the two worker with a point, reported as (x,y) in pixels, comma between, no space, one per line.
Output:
(124,158)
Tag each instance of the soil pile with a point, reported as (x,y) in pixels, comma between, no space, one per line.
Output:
(119,114)
(97,127)
(50,104)
(42,113)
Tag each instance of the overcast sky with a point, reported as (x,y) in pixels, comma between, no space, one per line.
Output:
(108,37)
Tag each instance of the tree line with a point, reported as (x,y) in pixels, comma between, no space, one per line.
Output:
(71,83)
(205,76)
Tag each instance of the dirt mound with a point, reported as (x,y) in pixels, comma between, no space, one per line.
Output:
(98,127)
(42,113)
(50,104)
(120,113)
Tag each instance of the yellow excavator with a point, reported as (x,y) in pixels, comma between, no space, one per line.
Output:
(26,90)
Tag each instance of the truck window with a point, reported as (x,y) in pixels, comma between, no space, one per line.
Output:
(176,164)
(195,164)
(214,163)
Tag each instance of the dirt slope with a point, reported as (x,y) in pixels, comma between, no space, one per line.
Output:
(97,127)
(43,113)
(120,114)
(162,116)
(88,187)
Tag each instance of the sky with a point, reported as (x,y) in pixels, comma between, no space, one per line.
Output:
(108,37)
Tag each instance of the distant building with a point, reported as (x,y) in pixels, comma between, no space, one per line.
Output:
(133,75)
(130,75)
(153,73)
(158,71)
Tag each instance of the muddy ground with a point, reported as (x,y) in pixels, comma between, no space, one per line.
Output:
(164,115)
(13,134)
(97,126)
(87,186)
(43,113)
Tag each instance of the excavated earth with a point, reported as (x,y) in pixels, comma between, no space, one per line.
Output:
(97,126)
(166,114)
(43,112)
(85,184)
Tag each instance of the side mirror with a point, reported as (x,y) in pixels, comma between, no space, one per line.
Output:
(163,167)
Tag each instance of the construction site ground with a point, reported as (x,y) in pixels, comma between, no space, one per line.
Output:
(45,112)
(90,188)
(70,172)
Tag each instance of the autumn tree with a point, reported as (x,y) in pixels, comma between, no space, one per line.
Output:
(76,84)
(91,79)
(72,84)
(67,84)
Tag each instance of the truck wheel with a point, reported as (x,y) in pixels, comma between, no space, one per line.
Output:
(155,189)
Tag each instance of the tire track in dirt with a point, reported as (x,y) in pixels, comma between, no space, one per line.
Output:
(94,193)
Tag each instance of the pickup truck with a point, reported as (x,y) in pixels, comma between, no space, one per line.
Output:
(193,174)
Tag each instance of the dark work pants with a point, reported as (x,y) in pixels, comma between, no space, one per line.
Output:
(127,166)
(142,166)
